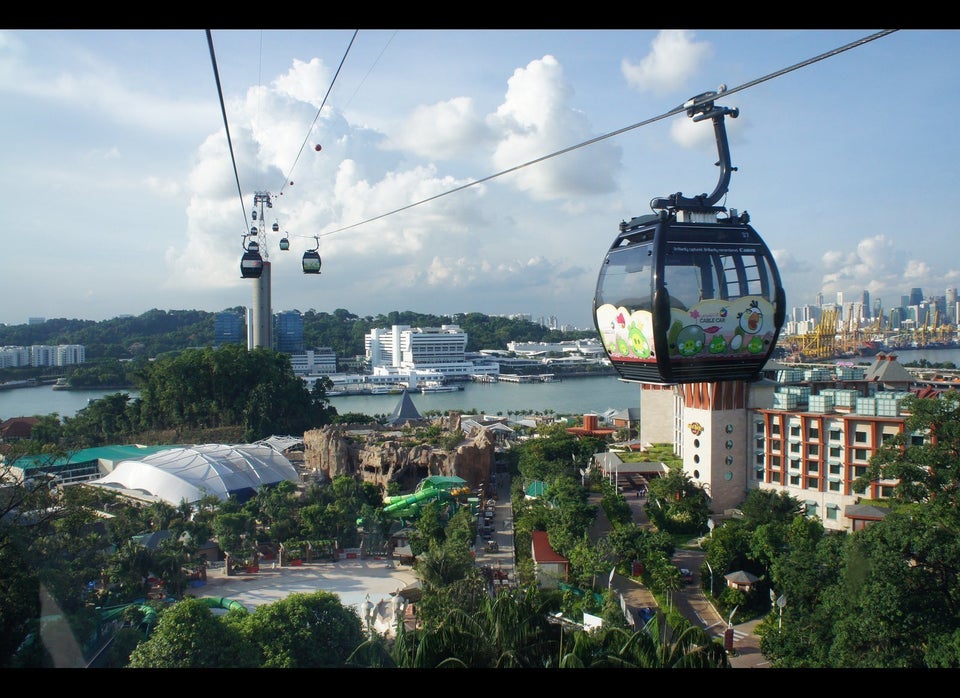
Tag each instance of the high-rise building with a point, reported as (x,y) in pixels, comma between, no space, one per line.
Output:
(865,304)
(951,305)
(288,332)
(916,296)
(228,328)
(820,299)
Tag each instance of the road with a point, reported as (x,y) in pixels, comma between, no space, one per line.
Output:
(695,607)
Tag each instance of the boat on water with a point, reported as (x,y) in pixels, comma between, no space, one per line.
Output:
(439,388)
(61,384)
(385,390)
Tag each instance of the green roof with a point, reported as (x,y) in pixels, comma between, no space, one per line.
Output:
(88,455)
(442,482)
(537,488)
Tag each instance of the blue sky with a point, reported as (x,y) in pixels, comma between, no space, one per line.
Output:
(121,195)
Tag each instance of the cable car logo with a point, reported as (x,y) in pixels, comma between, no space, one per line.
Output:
(695,428)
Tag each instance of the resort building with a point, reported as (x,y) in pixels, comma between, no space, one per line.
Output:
(808,432)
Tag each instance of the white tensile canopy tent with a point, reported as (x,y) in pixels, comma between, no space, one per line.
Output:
(190,473)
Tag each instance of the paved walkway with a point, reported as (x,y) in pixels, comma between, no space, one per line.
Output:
(355,581)
(691,601)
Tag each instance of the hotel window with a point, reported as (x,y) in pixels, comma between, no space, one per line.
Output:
(833,486)
(859,454)
(832,510)
(812,483)
(813,466)
(860,437)
(758,459)
(775,462)
(775,445)
(795,448)
(813,450)
(814,432)
(794,463)
(795,430)
(835,469)
(834,452)
(795,480)
(811,508)
(859,471)
(835,435)
(916,440)
(775,429)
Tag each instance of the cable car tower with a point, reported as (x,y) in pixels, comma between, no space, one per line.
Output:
(260,316)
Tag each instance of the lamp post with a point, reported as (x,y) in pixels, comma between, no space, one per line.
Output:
(711,578)
(781,602)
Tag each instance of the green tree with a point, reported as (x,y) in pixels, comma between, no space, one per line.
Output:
(189,636)
(312,630)
(923,472)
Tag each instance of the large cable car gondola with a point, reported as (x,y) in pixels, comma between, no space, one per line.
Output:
(688,295)
(251,264)
(311,260)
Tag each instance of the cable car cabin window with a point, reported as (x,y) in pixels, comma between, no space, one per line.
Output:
(311,262)
(626,278)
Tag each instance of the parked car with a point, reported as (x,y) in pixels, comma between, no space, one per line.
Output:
(687,575)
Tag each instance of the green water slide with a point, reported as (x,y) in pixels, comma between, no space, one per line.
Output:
(222,602)
(114,612)
(404,501)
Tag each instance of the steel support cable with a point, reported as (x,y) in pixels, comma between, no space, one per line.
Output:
(226,125)
(325,97)
(672,112)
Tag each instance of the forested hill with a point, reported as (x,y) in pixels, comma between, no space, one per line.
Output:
(156,332)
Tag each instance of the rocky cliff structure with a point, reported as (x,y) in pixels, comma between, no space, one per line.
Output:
(381,455)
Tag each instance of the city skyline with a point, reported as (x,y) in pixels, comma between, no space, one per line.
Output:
(424,181)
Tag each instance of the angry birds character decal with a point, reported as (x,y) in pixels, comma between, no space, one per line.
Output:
(722,329)
(638,342)
(751,319)
(695,428)
(626,334)
(690,340)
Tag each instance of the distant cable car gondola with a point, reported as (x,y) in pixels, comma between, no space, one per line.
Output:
(251,264)
(276,227)
(685,295)
(284,243)
(311,260)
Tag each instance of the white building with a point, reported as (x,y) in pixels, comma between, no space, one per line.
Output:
(43,355)
(403,349)
(314,362)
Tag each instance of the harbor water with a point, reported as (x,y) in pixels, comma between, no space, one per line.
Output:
(572,396)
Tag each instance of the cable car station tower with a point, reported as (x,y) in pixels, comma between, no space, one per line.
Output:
(260,315)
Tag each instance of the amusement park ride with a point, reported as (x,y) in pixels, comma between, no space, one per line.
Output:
(690,293)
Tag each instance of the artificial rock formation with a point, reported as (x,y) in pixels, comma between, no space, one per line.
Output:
(381,456)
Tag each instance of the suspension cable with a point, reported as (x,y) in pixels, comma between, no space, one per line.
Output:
(676,110)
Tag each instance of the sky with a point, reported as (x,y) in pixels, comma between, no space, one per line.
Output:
(436,188)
